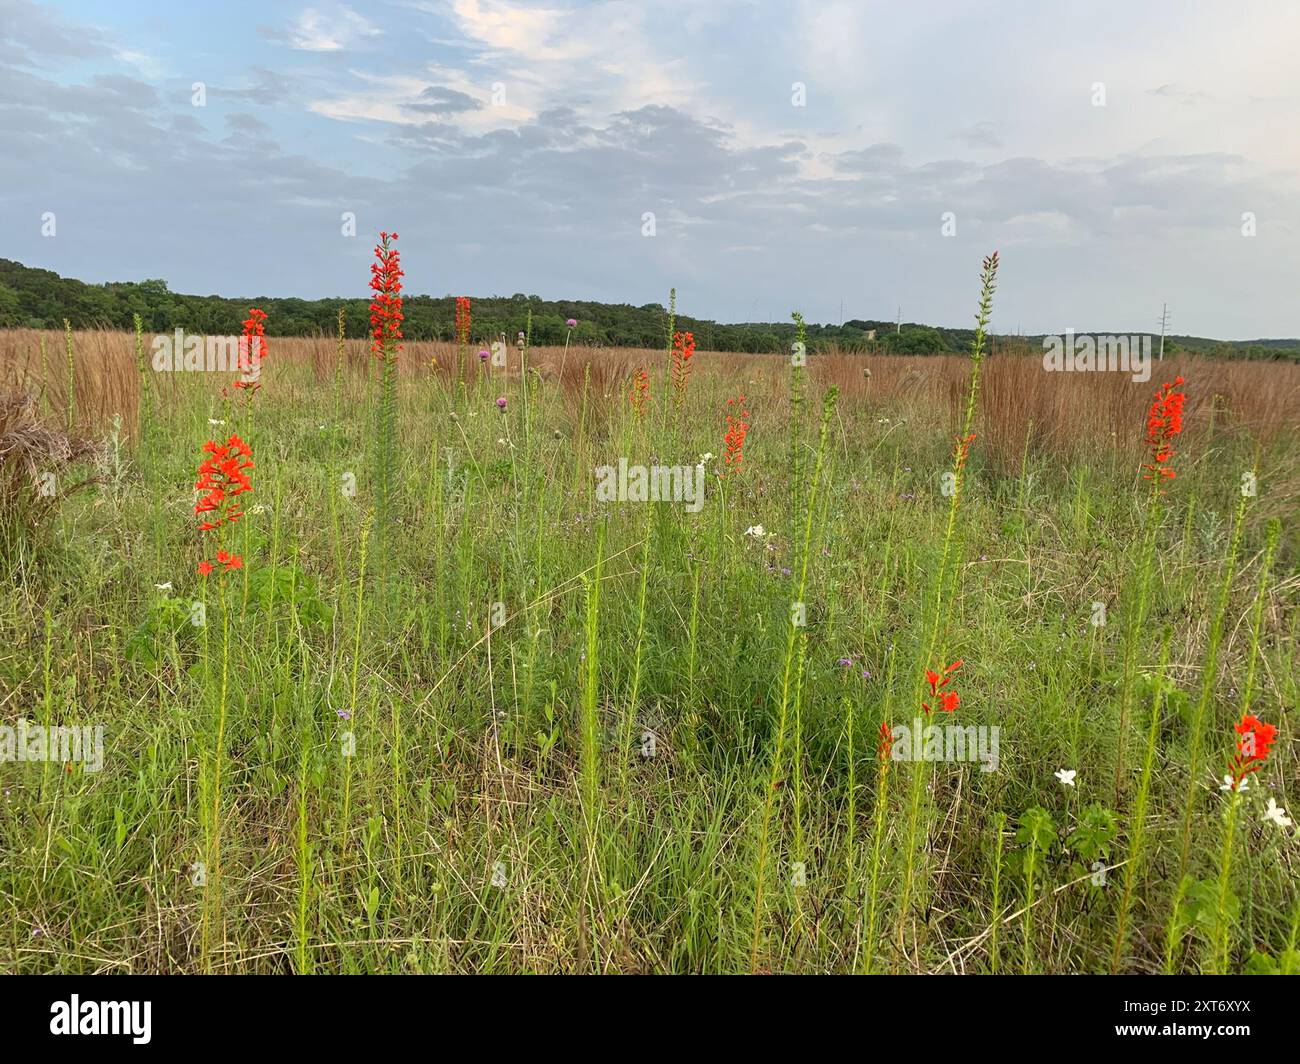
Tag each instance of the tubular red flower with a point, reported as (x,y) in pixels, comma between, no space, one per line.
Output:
(948,700)
(386,304)
(640,390)
(1253,748)
(734,437)
(885,747)
(1164,422)
(462,319)
(222,476)
(683,352)
(962,450)
(252,350)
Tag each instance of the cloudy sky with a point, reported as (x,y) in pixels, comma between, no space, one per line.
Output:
(793,154)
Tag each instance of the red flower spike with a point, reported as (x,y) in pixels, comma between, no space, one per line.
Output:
(683,352)
(252,350)
(222,476)
(1164,422)
(885,747)
(948,700)
(462,319)
(1257,739)
(734,437)
(386,305)
(640,390)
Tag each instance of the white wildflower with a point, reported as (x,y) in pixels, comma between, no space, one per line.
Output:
(1277,814)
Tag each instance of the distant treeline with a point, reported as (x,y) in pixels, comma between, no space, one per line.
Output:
(39,299)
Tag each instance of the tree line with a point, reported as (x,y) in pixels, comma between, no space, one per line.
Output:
(42,299)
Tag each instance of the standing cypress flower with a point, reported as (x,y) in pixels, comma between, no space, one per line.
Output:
(885,745)
(462,319)
(1164,422)
(1256,738)
(462,332)
(1253,748)
(948,700)
(252,349)
(386,304)
(640,390)
(222,476)
(946,581)
(683,352)
(386,341)
(734,437)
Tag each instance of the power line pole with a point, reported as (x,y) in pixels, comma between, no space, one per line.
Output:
(1164,324)
(898,326)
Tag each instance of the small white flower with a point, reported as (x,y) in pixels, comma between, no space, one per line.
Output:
(1277,814)
(1066,775)
(164,587)
(707,456)
(1229,784)
(756,531)
(214,421)
(260,508)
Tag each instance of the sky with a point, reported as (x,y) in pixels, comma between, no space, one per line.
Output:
(845,158)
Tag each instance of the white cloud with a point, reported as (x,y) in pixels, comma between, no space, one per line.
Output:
(331,29)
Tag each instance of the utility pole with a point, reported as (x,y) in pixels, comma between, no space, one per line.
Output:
(898,326)
(1164,324)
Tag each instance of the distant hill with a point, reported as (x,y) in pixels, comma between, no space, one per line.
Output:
(42,299)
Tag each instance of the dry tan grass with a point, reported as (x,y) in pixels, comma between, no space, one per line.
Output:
(1020,404)
(29,448)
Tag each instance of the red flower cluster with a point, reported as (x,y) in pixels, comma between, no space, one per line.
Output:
(1256,740)
(222,477)
(230,561)
(462,319)
(1164,422)
(386,306)
(252,349)
(640,390)
(885,747)
(948,700)
(962,451)
(683,352)
(734,437)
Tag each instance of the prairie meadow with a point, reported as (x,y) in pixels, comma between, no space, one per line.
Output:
(366,655)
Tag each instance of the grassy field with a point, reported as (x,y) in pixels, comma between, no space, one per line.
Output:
(454,713)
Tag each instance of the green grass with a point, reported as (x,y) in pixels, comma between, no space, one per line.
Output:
(498,814)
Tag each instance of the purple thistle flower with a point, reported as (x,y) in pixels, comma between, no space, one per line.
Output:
(483,356)
(501,402)
(572,323)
